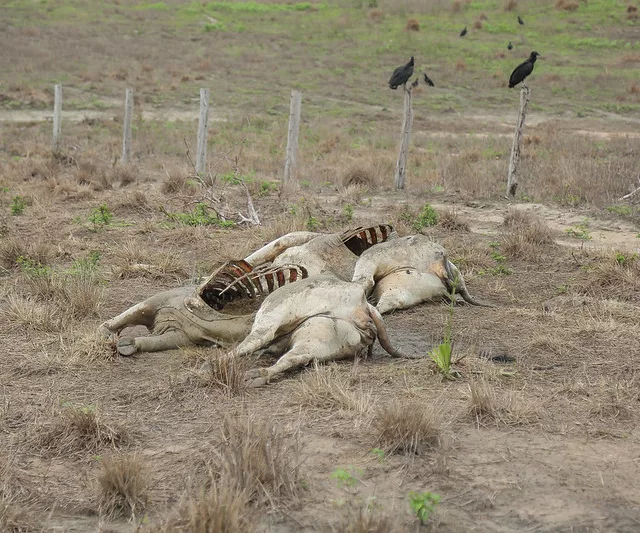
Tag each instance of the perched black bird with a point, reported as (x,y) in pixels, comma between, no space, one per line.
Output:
(428,81)
(401,75)
(523,70)
(463,32)
(520,21)
(509,46)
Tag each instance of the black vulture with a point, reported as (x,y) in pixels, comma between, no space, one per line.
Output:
(401,75)
(509,46)
(463,32)
(520,21)
(428,81)
(523,70)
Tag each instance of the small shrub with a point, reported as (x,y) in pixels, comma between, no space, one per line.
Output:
(348,213)
(426,218)
(100,217)
(423,504)
(412,25)
(450,220)
(346,477)
(408,427)
(123,486)
(525,235)
(200,216)
(18,205)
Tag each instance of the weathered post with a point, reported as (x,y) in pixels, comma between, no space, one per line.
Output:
(57,118)
(514,160)
(292,136)
(407,124)
(203,127)
(128,117)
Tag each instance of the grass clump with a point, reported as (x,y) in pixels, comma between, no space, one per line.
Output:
(123,485)
(200,216)
(226,374)
(507,409)
(525,235)
(450,220)
(613,276)
(408,427)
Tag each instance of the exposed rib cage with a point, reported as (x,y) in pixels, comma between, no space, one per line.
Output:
(237,279)
(360,239)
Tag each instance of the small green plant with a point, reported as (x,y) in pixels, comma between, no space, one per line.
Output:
(423,504)
(426,218)
(441,355)
(345,478)
(623,210)
(312,223)
(379,454)
(18,205)
(267,187)
(348,213)
(200,216)
(85,265)
(33,268)
(626,260)
(501,267)
(580,231)
(100,217)
(231,178)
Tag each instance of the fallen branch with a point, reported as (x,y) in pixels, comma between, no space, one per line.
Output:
(253,216)
(632,192)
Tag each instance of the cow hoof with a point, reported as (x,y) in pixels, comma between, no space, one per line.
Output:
(126,347)
(255,378)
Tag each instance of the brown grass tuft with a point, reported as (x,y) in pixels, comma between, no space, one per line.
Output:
(226,374)
(461,65)
(567,5)
(485,405)
(80,429)
(12,248)
(123,486)
(456,6)
(367,519)
(258,460)
(14,518)
(614,276)
(359,175)
(477,25)
(450,220)
(634,88)
(376,15)
(219,508)
(525,236)
(632,9)
(125,175)
(482,17)
(412,25)
(510,5)
(24,311)
(87,347)
(408,427)
(326,388)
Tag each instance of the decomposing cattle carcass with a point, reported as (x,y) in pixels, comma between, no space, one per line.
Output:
(320,318)
(180,317)
(407,271)
(193,314)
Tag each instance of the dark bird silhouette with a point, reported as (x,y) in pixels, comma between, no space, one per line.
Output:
(520,21)
(415,83)
(401,75)
(463,32)
(428,81)
(509,46)
(523,70)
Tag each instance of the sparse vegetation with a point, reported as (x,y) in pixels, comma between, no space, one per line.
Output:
(423,504)
(408,427)
(124,484)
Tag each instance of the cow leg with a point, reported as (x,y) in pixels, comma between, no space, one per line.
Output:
(154,343)
(364,275)
(320,338)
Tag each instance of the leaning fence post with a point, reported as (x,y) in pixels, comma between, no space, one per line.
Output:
(407,124)
(203,126)
(514,160)
(292,136)
(128,116)
(57,118)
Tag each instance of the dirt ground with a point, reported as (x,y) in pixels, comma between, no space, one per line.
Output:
(557,450)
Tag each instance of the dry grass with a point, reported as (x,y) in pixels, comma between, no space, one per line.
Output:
(613,276)
(525,235)
(510,5)
(256,459)
(13,248)
(367,519)
(123,486)
(325,387)
(87,346)
(567,5)
(412,25)
(135,261)
(80,429)
(477,25)
(451,221)
(226,374)
(409,427)
(25,312)
(507,409)
(14,518)
(359,175)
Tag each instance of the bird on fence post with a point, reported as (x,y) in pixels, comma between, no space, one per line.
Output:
(401,75)
(523,70)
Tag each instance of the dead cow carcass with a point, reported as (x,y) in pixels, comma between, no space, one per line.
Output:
(407,271)
(182,317)
(320,318)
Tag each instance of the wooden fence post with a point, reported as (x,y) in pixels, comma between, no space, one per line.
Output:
(128,117)
(514,160)
(203,126)
(57,118)
(407,124)
(292,136)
